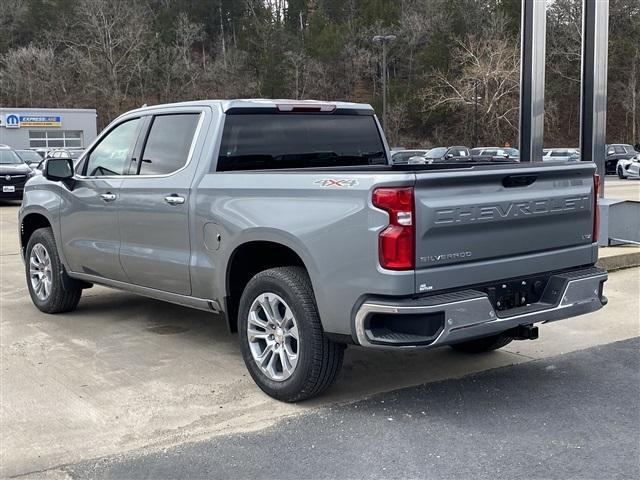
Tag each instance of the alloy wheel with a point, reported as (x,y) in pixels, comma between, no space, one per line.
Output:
(40,271)
(272,331)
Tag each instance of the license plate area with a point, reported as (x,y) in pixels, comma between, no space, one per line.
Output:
(8,189)
(511,294)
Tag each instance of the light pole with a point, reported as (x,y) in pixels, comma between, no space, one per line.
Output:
(384,40)
(476,99)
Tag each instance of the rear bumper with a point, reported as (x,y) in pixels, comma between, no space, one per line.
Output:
(468,314)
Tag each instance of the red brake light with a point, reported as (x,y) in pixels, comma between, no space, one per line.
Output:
(306,107)
(596,209)
(397,242)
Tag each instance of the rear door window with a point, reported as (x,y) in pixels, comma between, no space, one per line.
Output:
(168,143)
(282,140)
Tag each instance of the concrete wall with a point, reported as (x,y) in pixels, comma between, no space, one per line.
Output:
(72,119)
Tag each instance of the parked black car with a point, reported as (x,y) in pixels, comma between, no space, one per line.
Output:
(615,152)
(14,173)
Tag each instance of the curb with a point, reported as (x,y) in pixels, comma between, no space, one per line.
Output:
(618,262)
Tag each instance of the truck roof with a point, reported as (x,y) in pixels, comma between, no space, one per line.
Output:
(254,103)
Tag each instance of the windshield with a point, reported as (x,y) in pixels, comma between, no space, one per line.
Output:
(436,152)
(273,141)
(9,157)
(29,156)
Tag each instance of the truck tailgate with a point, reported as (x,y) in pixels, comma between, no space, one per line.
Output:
(494,222)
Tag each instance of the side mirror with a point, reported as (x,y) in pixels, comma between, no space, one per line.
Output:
(449,155)
(57,169)
(610,152)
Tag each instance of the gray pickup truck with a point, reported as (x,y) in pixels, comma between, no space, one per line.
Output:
(289,220)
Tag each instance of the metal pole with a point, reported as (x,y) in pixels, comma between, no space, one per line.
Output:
(475,113)
(532,57)
(593,101)
(384,86)
(383,40)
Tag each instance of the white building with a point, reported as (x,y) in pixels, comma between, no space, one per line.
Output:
(23,128)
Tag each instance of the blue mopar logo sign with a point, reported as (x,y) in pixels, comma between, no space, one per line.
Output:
(12,121)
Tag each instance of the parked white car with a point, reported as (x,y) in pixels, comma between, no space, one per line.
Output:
(560,155)
(629,168)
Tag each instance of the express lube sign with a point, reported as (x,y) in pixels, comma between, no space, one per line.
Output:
(13,120)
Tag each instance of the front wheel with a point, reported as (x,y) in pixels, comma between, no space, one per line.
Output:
(282,342)
(484,344)
(51,289)
(620,173)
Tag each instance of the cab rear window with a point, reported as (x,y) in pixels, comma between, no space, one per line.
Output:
(294,140)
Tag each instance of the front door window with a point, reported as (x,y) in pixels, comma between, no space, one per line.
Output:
(113,154)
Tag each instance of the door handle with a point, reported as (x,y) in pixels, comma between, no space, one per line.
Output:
(174,200)
(108,197)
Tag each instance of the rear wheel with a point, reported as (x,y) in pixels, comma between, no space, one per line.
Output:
(282,342)
(51,289)
(484,344)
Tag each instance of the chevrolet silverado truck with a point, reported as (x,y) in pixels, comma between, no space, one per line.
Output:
(289,220)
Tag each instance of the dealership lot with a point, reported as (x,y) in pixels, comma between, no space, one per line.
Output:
(628,189)
(124,373)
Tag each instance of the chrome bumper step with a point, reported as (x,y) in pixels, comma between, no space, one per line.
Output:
(468,314)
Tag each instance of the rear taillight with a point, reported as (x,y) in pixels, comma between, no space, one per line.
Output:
(396,243)
(596,209)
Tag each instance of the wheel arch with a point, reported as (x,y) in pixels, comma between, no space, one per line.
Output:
(248,259)
(29,223)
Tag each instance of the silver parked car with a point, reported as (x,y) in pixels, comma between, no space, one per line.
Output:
(403,156)
(30,157)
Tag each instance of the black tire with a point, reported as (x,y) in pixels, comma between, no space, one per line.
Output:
(620,174)
(319,359)
(484,344)
(65,292)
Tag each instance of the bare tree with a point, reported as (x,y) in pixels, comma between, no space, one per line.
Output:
(485,76)
(112,35)
(31,76)
(10,12)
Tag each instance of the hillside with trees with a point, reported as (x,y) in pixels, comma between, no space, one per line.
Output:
(455,63)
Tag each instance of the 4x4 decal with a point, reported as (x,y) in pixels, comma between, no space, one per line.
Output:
(337,182)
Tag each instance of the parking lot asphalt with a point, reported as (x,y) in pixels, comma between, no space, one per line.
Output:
(628,189)
(125,373)
(571,416)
